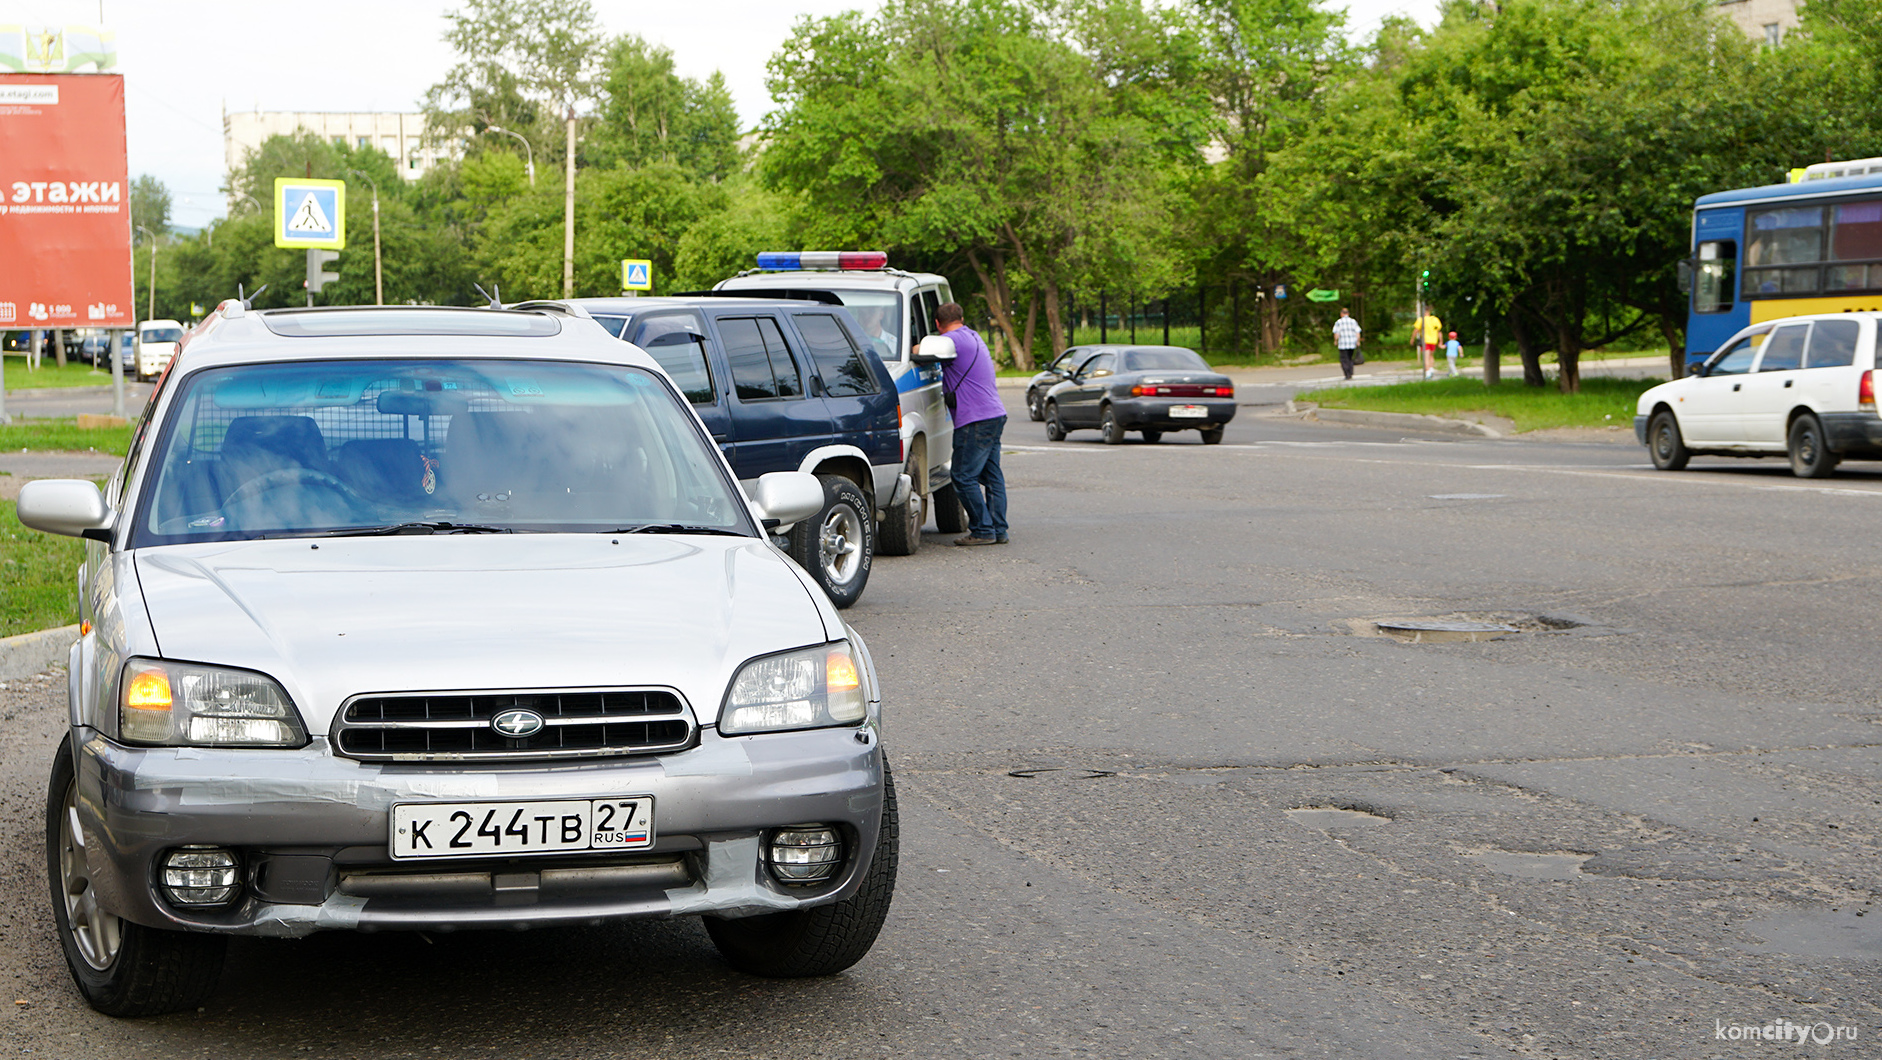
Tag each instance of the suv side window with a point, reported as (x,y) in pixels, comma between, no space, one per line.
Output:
(1833,344)
(761,364)
(920,321)
(835,355)
(678,342)
(930,305)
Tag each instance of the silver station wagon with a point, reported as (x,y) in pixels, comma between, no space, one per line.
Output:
(440,619)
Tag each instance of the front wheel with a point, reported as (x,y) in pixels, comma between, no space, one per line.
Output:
(1810,456)
(1664,442)
(825,939)
(122,969)
(901,524)
(1055,427)
(1108,426)
(838,545)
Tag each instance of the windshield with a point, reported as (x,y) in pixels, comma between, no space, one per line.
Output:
(163,335)
(880,314)
(1163,360)
(317,447)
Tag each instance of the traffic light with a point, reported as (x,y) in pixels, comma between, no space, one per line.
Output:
(317,276)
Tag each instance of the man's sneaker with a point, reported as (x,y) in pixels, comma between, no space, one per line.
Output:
(1000,540)
(972,540)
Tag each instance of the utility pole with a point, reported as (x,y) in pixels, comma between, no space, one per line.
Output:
(151,314)
(568,216)
(378,274)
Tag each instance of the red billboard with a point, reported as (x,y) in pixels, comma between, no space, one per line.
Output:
(65,202)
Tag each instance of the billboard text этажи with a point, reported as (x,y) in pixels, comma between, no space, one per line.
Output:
(65,202)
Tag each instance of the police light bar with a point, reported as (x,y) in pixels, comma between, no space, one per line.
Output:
(795,260)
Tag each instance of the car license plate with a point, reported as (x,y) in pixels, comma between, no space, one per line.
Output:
(1188,412)
(509,829)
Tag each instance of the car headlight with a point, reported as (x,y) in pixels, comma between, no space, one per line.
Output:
(186,705)
(807,689)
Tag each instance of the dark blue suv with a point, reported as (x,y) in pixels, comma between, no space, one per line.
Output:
(785,386)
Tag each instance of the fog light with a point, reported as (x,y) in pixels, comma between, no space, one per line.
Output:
(805,854)
(200,876)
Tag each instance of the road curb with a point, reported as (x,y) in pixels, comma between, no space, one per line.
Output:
(1404,421)
(32,653)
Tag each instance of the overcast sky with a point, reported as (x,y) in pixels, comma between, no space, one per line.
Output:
(184,60)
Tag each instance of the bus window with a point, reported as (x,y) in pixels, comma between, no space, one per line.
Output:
(1856,236)
(1792,235)
(1712,281)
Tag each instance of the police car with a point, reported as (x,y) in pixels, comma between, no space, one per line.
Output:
(896,310)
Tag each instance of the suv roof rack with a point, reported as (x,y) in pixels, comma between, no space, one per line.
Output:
(554,306)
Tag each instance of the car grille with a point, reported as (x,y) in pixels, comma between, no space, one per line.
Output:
(456,726)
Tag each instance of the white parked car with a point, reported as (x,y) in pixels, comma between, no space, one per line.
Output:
(1801,386)
(156,344)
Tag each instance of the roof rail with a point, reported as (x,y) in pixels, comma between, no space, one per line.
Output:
(555,306)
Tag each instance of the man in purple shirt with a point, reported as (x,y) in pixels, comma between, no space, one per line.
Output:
(979,420)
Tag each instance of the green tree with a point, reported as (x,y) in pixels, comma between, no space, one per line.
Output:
(524,65)
(648,113)
(150,206)
(1032,140)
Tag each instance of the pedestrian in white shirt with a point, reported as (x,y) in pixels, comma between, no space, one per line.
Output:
(1346,338)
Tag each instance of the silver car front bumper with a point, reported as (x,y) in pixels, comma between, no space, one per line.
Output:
(312,832)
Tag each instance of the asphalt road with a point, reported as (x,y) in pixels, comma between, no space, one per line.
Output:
(1166,793)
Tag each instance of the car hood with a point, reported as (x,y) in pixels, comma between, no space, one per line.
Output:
(344,616)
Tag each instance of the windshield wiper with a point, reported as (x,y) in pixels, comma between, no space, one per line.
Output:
(674,528)
(433,527)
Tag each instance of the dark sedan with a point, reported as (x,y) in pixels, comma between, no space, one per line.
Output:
(1149,389)
(1050,376)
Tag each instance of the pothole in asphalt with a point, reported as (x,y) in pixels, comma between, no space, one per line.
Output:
(1462,628)
(1852,933)
(1333,817)
(1531,866)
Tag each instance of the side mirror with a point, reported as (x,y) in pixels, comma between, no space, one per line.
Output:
(1685,276)
(935,349)
(69,506)
(787,497)
(1697,368)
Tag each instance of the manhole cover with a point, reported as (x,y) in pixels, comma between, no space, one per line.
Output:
(1445,630)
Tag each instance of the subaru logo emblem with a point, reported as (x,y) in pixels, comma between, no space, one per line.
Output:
(516,724)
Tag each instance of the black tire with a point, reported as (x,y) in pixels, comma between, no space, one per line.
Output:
(1055,427)
(1809,451)
(1108,426)
(1035,405)
(1153,437)
(1665,444)
(838,546)
(950,517)
(902,523)
(149,971)
(1212,436)
(825,939)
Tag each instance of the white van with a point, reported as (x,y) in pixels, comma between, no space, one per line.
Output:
(1799,386)
(156,344)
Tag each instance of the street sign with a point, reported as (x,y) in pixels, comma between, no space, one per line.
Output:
(1322,295)
(309,213)
(636,274)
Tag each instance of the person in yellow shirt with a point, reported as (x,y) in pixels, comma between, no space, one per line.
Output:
(1427,334)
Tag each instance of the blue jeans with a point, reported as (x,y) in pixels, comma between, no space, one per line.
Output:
(977,467)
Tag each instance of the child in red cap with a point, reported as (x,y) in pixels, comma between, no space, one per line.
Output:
(1451,352)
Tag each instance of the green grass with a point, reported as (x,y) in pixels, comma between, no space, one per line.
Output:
(75,373)
(63,435)
(36,572)
(1602,402)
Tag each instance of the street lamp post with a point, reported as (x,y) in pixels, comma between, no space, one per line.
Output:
(378,274)
(529,153)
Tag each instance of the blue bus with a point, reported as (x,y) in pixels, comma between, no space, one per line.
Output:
(1813,246)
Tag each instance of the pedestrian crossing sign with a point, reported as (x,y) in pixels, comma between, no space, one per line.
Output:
(636,275)
(309,213)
